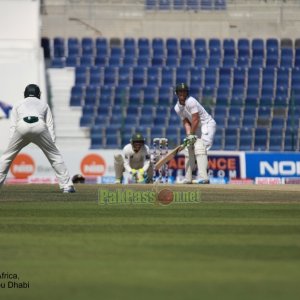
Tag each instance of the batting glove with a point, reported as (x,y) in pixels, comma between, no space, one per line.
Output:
(190,140)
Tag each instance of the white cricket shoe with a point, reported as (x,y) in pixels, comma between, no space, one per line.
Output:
(186,181)
(201,181)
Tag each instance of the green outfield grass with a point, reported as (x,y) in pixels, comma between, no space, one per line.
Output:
(69,247)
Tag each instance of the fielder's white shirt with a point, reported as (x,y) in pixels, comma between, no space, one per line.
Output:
(29,107)
(136,160)
(191,107)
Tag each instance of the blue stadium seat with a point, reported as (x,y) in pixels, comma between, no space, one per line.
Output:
(276,139)
(164,4)
(58,62)
(200,62)
(158,61)
(167,76)
(267,91)
(268,76)
(228,62)
(100,61)
(200,43)
(164,95)
(171,61)
(143,42)
(102,121)
(218,140)
(258,48)
(72,61)
(264,112)
(287,58)
(110,76)
(153,76)
(248,122)
(278,122)
(233,122)
(239,76)
(150,95)
(59,47)
(261,139)
(158,43)
(229,48)
(143,61)
(112,141)
(246,139)
(87,45)
(231,138)
(210,78)
(220,4)
(158,52)
(151,4)
(129,61)
(138,76)
(144,52)
(135,95)
(124,76)
(129,43)
(182,74)
(243,47)
(214,61)
(243,61)
(192,5)
(254,76)
(266,101)
(86,121)
(283,77)
(257,62)
(179,4)
(225,76)
(205,4)
(87,61)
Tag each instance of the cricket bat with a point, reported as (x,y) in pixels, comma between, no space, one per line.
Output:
(168,157)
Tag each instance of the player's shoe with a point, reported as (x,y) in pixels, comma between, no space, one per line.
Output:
(69,189)
(186,181)
(200,181)
(118,180)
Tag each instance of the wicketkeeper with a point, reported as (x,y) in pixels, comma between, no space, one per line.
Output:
(200,129)
(32,122)
(135,160)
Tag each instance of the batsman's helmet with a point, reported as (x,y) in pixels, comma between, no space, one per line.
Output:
(137,137)
(32,90)
(182,87)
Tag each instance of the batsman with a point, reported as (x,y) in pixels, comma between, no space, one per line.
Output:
(135,160)
(200,129)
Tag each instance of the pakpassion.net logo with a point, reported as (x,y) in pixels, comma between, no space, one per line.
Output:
(164,197)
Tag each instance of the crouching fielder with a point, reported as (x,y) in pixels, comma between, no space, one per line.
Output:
(31,122)
(135,160)
(200,129)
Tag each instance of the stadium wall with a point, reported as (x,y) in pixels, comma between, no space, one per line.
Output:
(21,58)
(130,18)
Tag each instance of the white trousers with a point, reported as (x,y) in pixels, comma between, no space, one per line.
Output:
(38,134)
(198,152)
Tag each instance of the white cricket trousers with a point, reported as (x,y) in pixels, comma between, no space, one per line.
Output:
(38,134)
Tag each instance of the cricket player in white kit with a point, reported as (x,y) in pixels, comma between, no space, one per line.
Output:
(200,129)
(31,122)
(135,160)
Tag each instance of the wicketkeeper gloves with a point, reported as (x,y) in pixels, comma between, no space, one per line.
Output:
(138,175)
(190,140)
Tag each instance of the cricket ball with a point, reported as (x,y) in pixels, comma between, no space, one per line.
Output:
(165,196)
